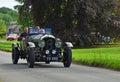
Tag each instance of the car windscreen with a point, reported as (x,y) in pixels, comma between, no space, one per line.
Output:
(33,31)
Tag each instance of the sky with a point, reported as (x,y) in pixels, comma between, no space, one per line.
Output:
(8,3)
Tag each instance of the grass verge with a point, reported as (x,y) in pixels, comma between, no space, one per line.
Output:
(6,45)
(100,57)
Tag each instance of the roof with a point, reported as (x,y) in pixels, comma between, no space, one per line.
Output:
(14,27)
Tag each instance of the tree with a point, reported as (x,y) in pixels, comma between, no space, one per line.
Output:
(25,17)
(8,15)
(14,15)
(80,16)
(2,27)
(7,18)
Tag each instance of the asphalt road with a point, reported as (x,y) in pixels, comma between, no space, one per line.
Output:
(54,72)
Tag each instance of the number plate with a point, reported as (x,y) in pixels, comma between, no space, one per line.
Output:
(52,58)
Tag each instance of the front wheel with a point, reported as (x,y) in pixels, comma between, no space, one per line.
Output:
(67,57)
(31,58)
(15,55)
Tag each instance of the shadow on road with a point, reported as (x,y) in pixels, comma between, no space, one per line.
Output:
(43,65)
(11,66)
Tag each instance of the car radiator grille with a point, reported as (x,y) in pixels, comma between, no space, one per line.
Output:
(49,43)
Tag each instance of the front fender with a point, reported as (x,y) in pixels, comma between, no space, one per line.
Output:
(15,45)
(69,44)
(31,44)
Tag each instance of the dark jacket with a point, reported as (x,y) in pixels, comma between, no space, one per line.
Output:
(23,35)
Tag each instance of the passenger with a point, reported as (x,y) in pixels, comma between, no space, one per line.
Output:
(23,35)
(40,30)
(38,27)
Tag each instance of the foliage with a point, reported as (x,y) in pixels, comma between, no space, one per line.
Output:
(2,27)
(14,15)
(25,17)
(80,16)
(5,10)
(8,15)
(5,17)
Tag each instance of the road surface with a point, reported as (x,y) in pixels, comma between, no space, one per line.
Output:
(54,72)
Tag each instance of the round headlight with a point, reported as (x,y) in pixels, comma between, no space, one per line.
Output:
(58,43)
(53,51)
(41,43)
(47,52)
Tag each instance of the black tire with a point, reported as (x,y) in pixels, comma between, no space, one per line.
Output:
(31,58)
(15,55)
(67,57)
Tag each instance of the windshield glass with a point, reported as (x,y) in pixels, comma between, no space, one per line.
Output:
(35,31)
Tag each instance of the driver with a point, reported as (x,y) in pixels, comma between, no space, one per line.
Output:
(23,35)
